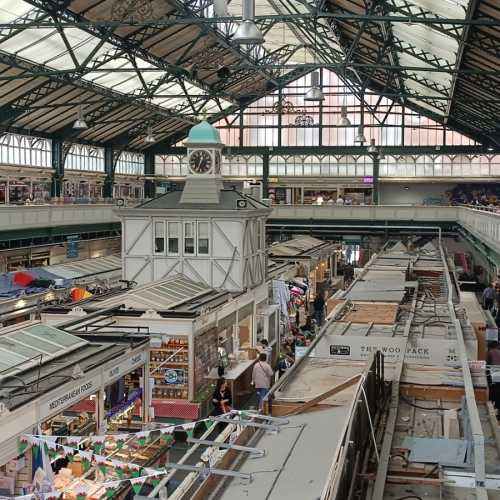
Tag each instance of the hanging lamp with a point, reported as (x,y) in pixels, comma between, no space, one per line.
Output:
(314,93)
(247,32)
(372,148)
(360,137)
(150,138)
(80,123)
(344,119)
(220,8)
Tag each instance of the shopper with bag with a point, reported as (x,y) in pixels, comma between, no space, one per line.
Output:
(262,376)
(222,398)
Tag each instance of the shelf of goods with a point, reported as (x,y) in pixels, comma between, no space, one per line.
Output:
(63,425)
(132,457)
(170,369)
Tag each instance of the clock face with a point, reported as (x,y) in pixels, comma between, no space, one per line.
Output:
(200,161)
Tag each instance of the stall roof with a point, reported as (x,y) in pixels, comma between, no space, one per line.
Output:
(161,295)
(34,345)
(87,267)
(300,245)
(37,358)
(283,472)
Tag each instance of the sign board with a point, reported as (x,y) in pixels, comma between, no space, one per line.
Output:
(72,250)
(68,397)
(423,351)
(492,334)
(175,376)
(300,351)
(126,366)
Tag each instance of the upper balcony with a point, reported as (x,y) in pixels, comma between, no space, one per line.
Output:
(26,217)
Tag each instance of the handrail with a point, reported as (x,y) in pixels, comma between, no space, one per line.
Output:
(470,399)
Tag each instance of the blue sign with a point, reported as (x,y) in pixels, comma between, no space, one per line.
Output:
(72,249)
(174,376)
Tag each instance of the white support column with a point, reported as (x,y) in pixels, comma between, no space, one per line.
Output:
(100,411)
(146,391)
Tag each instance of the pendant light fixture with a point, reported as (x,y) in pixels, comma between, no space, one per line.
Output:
(314,93)
(381,154)
(344,119)
(80,123)
(490,148)
(372,148)
(247,32)
(150,138)
(220,8)
(360,137)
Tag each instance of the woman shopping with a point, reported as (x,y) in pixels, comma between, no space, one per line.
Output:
(222,398)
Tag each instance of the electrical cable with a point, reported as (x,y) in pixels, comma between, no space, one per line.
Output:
(435,408)
(371,423)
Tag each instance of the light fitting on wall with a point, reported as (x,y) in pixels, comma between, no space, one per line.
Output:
(314,93)
(80,123)
(360,137)
(247,32)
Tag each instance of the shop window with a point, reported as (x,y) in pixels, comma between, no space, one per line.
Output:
(203,238)
(159,237)
(189,236)
(173,238)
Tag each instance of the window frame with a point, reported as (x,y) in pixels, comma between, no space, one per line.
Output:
(193,237)
(155,223)
(179,238)
(198,223)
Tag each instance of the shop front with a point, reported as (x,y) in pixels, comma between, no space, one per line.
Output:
(193,341)
(83,187)
(292,191)
(60,397)
(24,186)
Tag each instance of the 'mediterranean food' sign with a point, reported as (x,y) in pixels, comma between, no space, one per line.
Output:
(69,397)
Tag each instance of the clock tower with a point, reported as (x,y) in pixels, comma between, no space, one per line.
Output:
(211,235)
(204,154)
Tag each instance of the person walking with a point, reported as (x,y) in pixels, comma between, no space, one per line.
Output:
(319,308)
(262,376)
(493,373)
(221,398)
(489,294)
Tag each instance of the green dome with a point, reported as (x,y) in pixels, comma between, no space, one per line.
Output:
(203,133)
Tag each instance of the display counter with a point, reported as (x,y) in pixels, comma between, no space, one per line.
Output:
(120,463)
(239,379)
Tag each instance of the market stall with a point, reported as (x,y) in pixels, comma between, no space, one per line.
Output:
(59,390)
(189,325)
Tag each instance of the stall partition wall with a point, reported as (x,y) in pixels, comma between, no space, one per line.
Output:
(25,419)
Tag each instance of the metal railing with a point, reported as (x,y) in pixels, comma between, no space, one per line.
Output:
(358,436)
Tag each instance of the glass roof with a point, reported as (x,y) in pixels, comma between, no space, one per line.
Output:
(85,267)
(46,46)
(161,295)
(430,44)
(26,347)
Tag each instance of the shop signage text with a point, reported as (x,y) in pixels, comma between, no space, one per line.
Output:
(70,397)
(126,366)
(431,351)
